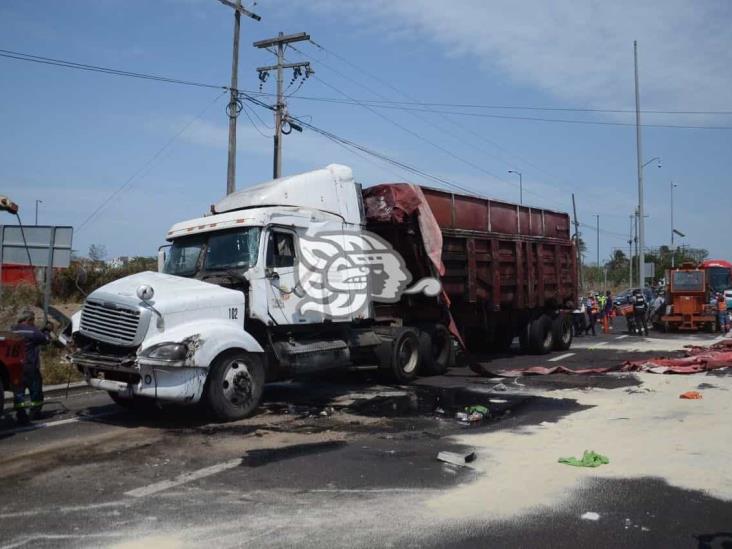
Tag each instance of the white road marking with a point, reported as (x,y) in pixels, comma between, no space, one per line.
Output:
(598,345)
(561,357)
(47,424)
(622,336)
(184,478)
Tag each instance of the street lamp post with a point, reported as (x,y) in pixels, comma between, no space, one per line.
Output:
(521,185)
(641,218)
(37,202)
(673,251)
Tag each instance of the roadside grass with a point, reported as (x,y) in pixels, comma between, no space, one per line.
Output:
(55,368)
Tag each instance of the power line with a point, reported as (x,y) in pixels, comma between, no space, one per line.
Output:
(96,68)
(20,56)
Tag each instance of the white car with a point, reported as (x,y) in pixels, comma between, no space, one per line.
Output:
(728,298)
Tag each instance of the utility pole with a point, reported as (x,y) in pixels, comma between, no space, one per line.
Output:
(280,42)
(577,241)
(641,211)
(598,239)
(41,202)
(233,107)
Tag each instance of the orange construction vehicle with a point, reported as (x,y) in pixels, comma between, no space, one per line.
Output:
(687,300)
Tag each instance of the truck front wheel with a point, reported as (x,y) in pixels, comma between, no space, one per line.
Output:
(234,385)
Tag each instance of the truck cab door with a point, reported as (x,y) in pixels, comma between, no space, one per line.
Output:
(280,266)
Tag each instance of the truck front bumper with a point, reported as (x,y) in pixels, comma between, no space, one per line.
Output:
(132,376)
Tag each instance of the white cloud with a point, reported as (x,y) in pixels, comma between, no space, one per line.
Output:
(577,51)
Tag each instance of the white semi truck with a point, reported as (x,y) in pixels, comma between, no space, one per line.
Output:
(275,282)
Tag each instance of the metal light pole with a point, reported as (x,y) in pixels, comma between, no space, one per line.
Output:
(521,185)
(673,251)
(598,239)
(41,202)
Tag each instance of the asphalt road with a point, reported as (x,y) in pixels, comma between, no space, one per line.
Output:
(329,462)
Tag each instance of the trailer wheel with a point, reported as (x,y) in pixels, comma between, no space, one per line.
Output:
(234,385)
(400,356)
(562,332)
(435,350)
(541,336)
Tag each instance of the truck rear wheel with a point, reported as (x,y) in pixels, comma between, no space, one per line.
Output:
(234,385)
(562,332)
(435,350)
(541,337)
(400,356)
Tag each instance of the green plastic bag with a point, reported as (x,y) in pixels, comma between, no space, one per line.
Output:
(589,459)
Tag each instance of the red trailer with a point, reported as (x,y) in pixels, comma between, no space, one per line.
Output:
(507,270)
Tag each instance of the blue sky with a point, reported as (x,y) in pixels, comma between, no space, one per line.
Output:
(72,138)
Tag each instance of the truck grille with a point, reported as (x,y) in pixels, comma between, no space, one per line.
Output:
(110,322)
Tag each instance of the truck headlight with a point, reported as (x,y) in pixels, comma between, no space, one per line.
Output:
(166,351)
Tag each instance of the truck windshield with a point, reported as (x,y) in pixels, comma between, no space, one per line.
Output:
(219,251)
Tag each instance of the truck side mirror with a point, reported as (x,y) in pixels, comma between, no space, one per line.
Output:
(161,258)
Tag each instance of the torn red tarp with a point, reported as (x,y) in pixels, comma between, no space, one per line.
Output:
(701,360)
(394,203)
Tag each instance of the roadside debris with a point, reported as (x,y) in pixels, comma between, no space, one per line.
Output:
(473,414)
(638,390)
(589,459)
(697,360)
(456,459)
(589,515)
(691,395)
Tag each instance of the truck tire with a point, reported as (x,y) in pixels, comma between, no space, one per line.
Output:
(541,337)
(562,332)
(435,350)
(234,385)
(400,356)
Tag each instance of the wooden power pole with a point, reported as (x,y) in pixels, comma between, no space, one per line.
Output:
(280,42)
(233,107)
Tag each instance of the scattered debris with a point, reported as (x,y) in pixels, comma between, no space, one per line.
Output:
(637,390)
(457,459)
(691,395)
(462,416)
(590,458)
(590,515)
(500,387)
(440,411)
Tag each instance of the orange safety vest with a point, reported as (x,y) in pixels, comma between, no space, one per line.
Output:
(722,305)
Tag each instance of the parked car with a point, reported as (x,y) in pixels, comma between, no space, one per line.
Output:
(728,299)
